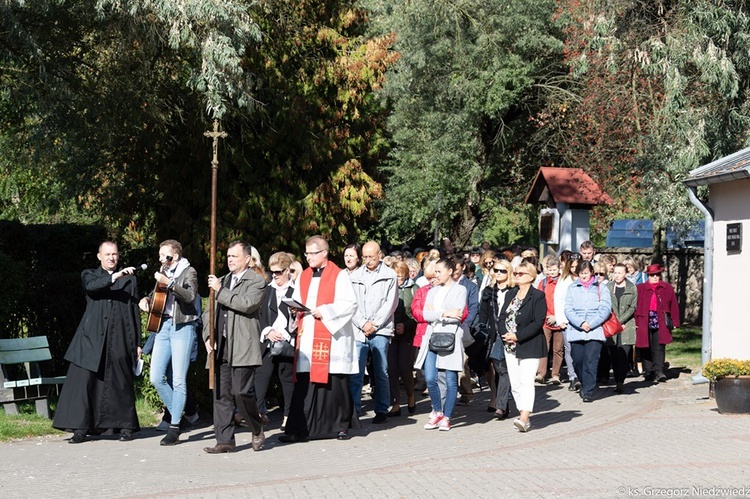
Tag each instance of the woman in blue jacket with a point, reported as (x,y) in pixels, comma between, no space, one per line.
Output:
(587,307)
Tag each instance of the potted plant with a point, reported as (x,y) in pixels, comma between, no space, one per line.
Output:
(731,384)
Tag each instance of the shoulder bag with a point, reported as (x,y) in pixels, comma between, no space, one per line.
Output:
(441,342)
(611,326)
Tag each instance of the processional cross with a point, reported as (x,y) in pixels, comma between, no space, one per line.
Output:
(215,135)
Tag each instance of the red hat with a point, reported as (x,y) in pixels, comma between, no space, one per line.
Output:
(654,268)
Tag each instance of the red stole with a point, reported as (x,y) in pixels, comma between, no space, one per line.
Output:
(321,335)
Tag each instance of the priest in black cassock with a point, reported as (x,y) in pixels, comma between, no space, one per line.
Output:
(98,394)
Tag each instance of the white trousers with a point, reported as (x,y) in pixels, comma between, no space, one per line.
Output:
(521,373)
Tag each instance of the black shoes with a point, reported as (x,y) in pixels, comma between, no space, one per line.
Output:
(292,439)
(173,436)
(78,437)
(575,386)
(126,435)
(661,378)
(412,408)
(587,398)
(620,387)
(394,414)
(381,418)
(343,435)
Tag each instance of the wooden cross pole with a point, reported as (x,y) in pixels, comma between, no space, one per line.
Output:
(215,134)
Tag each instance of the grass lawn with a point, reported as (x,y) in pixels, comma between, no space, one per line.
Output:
(28,424)
(685,349)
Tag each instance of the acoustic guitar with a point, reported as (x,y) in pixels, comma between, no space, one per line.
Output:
(157,308)
(158,303)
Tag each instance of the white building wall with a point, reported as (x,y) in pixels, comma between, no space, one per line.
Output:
(730,328)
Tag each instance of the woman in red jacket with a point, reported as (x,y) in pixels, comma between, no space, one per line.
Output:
(656,300)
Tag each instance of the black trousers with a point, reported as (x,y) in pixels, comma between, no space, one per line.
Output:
(653,356)
(235,387)
(284,366)
(502,380)
(620,356)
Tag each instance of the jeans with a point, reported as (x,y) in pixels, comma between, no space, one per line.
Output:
(174,342)
(451,381)
(569,364)
(378,348)
(586,360)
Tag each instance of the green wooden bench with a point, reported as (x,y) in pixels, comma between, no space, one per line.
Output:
(21,377)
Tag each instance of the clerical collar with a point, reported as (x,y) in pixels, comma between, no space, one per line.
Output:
(317,272)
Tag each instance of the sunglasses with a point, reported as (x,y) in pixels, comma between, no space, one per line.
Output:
(489,263)
(519,274)
(601,274)
(500,270)
(276,273)
(575,256)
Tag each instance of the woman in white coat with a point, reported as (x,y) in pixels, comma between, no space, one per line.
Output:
(444,307)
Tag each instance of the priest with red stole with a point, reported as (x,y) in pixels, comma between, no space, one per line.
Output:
(326,354)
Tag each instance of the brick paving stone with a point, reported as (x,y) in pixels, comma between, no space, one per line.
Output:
(644,441)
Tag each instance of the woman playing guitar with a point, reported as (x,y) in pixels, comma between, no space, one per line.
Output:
(176,287)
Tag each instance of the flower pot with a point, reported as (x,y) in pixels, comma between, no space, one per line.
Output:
(733,395)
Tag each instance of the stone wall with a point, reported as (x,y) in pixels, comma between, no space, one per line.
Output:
(684,271)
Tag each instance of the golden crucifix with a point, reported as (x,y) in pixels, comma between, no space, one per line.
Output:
(215,135)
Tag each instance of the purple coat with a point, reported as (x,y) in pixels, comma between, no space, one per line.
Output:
(666,303)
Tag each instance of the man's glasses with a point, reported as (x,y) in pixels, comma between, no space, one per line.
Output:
(500,270)
(313,253)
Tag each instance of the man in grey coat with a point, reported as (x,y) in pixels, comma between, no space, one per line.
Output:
(239,295)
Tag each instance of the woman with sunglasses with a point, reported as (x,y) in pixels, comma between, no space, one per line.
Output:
(520,326)
(568,275)
(587,306)
(277,325)
(493,298)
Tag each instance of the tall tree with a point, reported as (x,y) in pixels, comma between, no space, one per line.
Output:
(658,88)
(470,74)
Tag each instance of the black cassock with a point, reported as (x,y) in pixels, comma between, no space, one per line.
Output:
(98,392)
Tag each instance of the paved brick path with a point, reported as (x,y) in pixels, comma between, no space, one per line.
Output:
(650,441)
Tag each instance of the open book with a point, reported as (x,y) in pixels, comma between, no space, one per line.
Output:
(294,304)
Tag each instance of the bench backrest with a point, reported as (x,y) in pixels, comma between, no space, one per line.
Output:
(21,350)
(26,351)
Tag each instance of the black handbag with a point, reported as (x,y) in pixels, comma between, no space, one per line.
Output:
(442,342)
(667,315)
(280,349)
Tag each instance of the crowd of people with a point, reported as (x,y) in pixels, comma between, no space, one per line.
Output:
(434,323)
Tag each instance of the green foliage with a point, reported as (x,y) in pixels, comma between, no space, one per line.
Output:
(24,425)
(657,89)
(460,98)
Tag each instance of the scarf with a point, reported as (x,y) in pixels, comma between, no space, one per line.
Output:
(321,335)
(586,284)
(654,304)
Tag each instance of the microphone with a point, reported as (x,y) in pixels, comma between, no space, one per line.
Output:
(142,266)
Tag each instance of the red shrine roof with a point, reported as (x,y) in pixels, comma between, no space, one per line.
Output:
(566,185)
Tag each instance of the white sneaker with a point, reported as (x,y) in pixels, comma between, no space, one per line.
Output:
(163,426)
(434,420)
(522,427)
